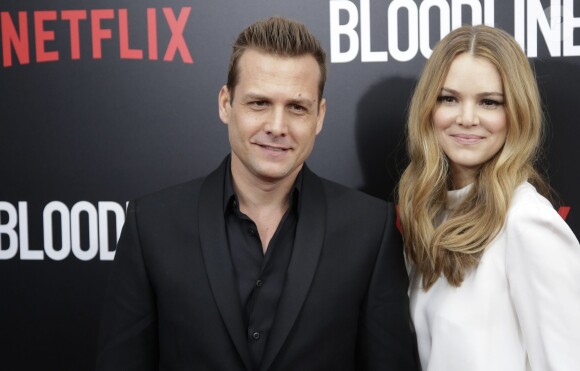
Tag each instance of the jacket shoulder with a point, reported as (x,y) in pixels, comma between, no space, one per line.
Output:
(171,198)
(527,202)
(183,194)
(353,200)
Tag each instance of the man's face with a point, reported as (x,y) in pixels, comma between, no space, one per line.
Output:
(274,116)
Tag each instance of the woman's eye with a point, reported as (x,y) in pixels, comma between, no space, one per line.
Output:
(446,99)
(492,103)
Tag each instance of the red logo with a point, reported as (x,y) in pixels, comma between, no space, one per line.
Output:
(16,36)
(563,211)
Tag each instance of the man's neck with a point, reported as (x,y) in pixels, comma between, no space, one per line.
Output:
(262,194)
(263,200)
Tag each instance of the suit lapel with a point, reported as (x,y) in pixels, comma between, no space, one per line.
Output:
(305,254)
(220,271)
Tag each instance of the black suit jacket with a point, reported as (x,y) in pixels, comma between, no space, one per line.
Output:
(173,303)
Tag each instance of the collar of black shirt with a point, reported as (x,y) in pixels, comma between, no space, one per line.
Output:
(230,201)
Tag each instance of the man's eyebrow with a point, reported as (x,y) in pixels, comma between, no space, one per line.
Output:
(303,101)
(255,96)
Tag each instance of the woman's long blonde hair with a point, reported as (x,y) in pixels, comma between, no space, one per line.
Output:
(458,243)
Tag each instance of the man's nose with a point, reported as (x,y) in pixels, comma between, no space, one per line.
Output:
(276,124)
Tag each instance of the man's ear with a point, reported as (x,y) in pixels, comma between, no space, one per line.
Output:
(224,105)
(321,113)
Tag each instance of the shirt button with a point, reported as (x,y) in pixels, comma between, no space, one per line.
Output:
(256,335)
(252,231)
(259,283)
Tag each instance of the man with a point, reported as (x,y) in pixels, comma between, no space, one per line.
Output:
(261,265)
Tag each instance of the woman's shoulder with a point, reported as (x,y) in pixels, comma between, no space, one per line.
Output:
(531,219)
(542,264)
(528,202)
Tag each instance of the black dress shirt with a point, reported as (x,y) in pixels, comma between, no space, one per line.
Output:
(260,277)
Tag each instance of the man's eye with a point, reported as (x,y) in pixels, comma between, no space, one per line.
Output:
(297,107)
(257,104)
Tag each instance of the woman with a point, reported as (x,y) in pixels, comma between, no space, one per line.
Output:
(495,271)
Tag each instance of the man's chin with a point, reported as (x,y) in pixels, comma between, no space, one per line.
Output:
(276,173)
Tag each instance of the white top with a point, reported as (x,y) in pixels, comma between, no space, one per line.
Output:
(519,309)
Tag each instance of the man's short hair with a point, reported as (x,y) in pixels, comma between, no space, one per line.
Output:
(280,36)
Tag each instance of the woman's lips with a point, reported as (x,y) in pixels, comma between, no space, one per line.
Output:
(467,138)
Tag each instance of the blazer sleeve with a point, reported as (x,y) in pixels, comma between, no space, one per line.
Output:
(543,269)
(386,338)
(128,335)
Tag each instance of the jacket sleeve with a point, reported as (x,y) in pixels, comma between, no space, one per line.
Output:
(543,268)
(128,332)
(386,338)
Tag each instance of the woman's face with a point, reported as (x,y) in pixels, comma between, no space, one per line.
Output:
(469,118)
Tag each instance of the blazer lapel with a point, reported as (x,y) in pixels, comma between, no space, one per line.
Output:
(220,271)
(305,254)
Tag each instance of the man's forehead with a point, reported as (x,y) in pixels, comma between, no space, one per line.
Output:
(266,67)
(256,53)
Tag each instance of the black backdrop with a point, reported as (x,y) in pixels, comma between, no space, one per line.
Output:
(87,126)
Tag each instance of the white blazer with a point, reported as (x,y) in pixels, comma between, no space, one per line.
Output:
(518,310)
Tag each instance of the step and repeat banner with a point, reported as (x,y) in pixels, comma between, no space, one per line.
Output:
(103,101)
